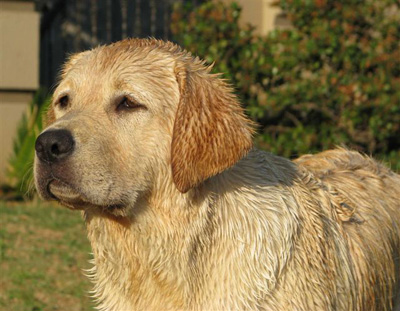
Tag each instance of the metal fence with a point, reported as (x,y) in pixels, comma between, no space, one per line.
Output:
(69,26)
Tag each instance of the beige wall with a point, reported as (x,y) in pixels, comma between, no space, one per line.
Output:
(260,13)
(19,69)
(19,37)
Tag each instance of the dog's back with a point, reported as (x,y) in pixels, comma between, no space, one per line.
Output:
(363,197)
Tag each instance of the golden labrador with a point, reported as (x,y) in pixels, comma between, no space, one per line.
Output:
(183,214)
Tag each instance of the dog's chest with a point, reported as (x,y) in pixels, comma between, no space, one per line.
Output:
(130,271)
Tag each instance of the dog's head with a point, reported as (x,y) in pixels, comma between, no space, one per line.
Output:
(129,115)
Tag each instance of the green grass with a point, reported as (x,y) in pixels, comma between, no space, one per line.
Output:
(43,249)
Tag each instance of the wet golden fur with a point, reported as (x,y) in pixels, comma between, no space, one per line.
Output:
(182,213)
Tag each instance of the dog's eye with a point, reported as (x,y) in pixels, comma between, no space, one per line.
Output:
(128,104)
(63,102)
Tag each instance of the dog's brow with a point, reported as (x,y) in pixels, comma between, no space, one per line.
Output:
(121,85)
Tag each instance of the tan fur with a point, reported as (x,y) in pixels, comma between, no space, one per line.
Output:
(182,215)
(210,132)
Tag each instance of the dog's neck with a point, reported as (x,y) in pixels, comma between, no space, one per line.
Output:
(159,252)
(154,245)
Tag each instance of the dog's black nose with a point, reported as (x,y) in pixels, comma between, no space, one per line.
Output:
(54,145)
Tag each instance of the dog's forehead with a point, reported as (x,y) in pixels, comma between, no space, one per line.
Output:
(118,67)
(120,60)
(99,75)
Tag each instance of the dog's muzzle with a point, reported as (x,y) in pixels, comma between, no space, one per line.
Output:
(53,148)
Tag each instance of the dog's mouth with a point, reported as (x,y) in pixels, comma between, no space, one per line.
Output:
(66,194)
(71,198)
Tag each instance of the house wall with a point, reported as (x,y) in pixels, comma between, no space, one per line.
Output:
(19,64)
(262,14)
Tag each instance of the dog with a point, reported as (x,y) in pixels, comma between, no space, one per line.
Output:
(183,213)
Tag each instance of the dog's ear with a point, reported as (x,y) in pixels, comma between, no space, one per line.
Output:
(211,131)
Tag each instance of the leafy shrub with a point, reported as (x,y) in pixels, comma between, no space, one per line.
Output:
(332,79)
(20,165)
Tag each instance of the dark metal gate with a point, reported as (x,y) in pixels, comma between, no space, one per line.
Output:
(69,26)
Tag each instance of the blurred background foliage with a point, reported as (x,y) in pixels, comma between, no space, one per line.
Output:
(332,79)
(20,166)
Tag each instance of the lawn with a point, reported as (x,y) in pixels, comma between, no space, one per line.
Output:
(43,249)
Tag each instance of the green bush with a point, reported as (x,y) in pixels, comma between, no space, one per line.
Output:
(332,79)
(20,165)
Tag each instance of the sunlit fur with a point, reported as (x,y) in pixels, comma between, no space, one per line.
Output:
(203,221)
